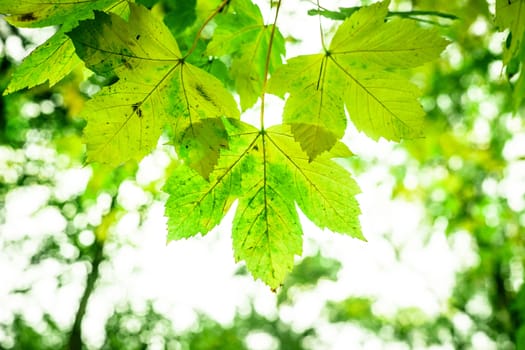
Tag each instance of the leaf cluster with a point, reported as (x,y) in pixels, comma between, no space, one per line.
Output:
(187,79)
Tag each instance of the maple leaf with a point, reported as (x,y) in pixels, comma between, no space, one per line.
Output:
(269,174)
(156,87)
(357,72)
(315,107)
(58,51)
(242,34)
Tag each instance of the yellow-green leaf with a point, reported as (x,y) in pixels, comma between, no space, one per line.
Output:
(200,144)
(269,174)
(197,205)
(155,87)
(382,104)
(57,52)
(397,43)
(357,71)
(241,33)
(315,106)
(325,191)
(42,13)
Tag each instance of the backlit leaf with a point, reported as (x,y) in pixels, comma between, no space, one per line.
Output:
(356,72)
(269,174)
(199,144)
(58,51)
(155,86)
(242,34)
(315,108)
(43,13)
(397,43)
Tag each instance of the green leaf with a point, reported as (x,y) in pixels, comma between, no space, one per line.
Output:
(196,205)
(324,190)
(57,52)
(241,33)
(357,72)
(398,43)
(43,13)
(315,108)
(180,15)
(511,15)
(156,87)
(199,144)
(269,174)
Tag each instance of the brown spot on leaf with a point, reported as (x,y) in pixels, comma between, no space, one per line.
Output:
(26,17)
(137,110)
(203,94)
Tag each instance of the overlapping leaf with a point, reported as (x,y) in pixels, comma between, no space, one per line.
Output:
(242,34)
(43,13)
(269,174)
(315,107)
(155,86)
(356,72)
(58,51)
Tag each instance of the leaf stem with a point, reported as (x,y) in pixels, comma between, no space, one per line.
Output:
(422,13)
(321,26)
(267,64)
(219,8)
(345,12)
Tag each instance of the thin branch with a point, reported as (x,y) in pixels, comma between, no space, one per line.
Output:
(75,337)
(321,26)
(267,63)
(218,10)
(423,13)
(345,12)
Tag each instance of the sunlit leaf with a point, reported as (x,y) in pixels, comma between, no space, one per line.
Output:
(200,144)
(315,107)
(155,86)
(242,33)
(269,174)
(357,69)
(42,13)
(58,52)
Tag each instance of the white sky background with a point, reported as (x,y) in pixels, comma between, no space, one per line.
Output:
(196,274)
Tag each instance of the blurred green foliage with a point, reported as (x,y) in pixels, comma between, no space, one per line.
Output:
(461,170)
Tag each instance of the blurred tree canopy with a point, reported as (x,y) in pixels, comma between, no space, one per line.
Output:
(468,174)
